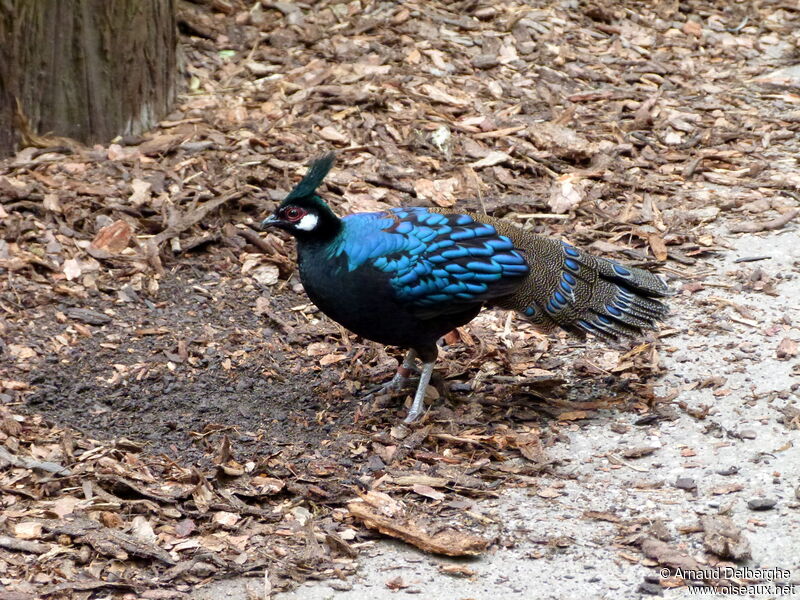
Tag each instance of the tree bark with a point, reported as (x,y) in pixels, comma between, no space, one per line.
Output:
(6,96)
(85,69)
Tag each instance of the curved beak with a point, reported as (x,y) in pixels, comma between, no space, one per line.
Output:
(270,221)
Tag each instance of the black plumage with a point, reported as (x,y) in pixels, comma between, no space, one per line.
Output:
(407,276)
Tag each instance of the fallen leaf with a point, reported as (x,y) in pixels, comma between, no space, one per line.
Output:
(437,94)
(184,528)
(262,305)
(72,268)
(12,384)
(142,530)
(64,506)
(548,492)
(658,246)
(492,159)
(28,530)
(267,485)
(442,138)
(440,192)
(566,194)
(113,238)
(787,348)
(159,144)
(446,540)
(573,415)
(318,349)
(266,274)
(330,359)
(51,202)
(428,492)
(456,570)
(226,519)
(332,134)
(726,489)
(561,141)
(692,28)
(141,192)
(383,502)
(420,479)
(21,352)
(601,516)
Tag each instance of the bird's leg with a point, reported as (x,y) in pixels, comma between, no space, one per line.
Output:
(419,397)
(400,379)
(404,371)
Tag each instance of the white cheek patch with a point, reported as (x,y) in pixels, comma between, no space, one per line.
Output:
(308,222)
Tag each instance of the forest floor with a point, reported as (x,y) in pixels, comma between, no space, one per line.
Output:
(176,420)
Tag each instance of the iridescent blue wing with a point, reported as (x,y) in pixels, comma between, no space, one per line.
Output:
(437,263)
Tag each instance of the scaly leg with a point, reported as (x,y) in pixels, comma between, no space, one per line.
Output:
(419,397)
(400,379)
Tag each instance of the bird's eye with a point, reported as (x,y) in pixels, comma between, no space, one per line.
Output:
(294,214)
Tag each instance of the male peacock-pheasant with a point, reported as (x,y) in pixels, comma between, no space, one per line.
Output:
(407,276)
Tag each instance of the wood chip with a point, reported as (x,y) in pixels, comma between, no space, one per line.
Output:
(445,540)
(665,554)
(724,538)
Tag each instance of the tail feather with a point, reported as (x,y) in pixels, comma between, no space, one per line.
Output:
(623,308)
(582,293)
(612,301)
(642,281)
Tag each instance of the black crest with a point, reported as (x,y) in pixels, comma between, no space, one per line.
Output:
(316,173)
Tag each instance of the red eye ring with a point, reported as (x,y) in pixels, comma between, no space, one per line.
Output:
(294,214)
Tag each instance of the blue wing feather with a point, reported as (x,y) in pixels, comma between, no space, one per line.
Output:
(435,262)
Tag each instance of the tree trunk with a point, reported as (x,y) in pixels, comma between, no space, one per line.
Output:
(6,96)
(85,69)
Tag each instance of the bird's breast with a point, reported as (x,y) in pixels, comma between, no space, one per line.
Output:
(364,301)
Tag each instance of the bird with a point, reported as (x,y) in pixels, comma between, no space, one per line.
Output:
(407,276)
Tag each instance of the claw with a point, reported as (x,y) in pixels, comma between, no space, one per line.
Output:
(396,384)
(400,380)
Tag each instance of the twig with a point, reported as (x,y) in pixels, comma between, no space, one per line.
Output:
(766,226)
(746,259)
(394,185)
(255,239)
(184,222)
(29,463)
(614,459)
(538,216)
(192,218)
(12,543)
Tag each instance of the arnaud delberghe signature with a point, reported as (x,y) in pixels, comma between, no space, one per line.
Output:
(734,573)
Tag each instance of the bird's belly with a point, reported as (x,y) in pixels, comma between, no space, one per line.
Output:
(363,302)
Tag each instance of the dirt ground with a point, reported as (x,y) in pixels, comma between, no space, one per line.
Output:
(176,420)
(162,406)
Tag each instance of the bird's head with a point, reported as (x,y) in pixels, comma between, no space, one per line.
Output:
(303,213)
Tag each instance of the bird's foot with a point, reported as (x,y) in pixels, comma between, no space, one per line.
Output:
(401,379)
(398,383)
